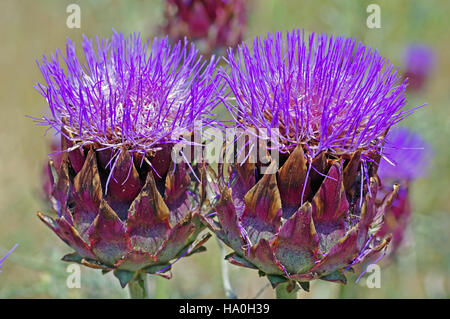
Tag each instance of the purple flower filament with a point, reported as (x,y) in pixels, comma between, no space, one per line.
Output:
(6,256)
(328,93)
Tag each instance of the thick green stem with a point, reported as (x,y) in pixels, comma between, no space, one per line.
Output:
(138,287)
(282,293)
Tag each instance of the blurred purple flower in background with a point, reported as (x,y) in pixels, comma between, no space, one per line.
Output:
(406,157)
(419,61)
(47,176)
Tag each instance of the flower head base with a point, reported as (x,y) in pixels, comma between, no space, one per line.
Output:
(121,202)
(328,93)
(213,24)
(330,102)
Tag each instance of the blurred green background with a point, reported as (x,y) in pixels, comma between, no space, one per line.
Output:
(29,29)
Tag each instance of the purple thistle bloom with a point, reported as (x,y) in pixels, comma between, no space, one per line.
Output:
(330,93)
(406,156)
(122,203)
(419,63)
(127,94)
